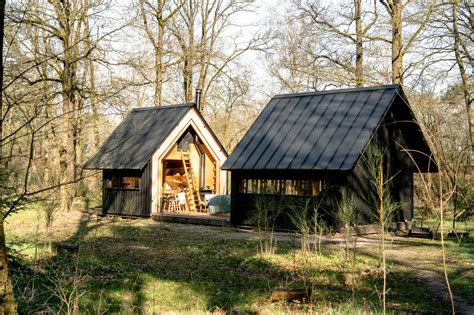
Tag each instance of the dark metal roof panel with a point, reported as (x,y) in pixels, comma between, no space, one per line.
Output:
(133,142)
(370,119)
(281,143)
(316,110)
(325,130)
(350,128)
(241,149)
(319,137)
(332,135)
(264,140)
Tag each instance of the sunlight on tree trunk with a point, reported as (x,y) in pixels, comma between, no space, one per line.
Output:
(359,63)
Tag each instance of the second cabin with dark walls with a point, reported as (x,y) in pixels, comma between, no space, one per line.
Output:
(309,145)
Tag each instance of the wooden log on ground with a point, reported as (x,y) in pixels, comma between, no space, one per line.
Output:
(66,248)
(282,294)
(363,229)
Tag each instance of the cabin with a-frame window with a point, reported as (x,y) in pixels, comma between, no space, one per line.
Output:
(311,146)
(160,160)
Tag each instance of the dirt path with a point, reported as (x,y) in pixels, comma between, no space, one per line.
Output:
(252,235)
(421,264)
(436,286)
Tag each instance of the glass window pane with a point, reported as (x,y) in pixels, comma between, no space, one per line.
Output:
(125,182)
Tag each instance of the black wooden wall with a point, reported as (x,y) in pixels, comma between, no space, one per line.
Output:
(128,202)
(243,204)
(398,163)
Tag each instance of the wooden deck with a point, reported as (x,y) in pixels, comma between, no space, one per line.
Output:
(192,218)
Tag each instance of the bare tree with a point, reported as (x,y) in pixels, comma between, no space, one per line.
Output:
(156,15)
(7,299)
(318,46)
(450,148)
(396,10)
(347,24)
(231,110)
(200,31)
(462,16)
(52,101)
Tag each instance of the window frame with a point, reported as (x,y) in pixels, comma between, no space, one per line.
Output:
(110,182)
(282,187)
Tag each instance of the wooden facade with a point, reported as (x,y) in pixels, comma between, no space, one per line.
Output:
(325,136)
(354,182)
(243,204)
(127,201)
(398,165)
(143,167)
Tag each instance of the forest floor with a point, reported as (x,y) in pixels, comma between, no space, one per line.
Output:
(142,266)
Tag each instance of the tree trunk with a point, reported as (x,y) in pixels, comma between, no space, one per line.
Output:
(78,144)
(397,45)
(160,41)
(188,79)
(359,70)
(67,157)
(189,52)
(465,84)
(94,107)
(7,299)
(204,52)
(93,97)
(66,149)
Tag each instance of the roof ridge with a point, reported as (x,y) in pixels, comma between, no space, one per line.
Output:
(163,107)
(336,91)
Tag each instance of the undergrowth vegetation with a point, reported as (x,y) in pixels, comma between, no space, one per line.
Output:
(141,266)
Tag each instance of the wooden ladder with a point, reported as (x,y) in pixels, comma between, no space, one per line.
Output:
(193,196)
(214,175)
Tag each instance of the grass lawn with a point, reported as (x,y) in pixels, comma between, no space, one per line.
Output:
(141,266)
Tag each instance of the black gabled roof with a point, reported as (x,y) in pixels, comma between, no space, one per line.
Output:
(133,142)
(325,130)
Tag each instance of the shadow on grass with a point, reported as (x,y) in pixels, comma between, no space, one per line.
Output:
(153,269)
(122,268)
(177,272)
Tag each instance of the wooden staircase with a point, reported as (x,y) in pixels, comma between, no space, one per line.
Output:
(193,197)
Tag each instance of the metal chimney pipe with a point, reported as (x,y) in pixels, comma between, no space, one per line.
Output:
(198,99)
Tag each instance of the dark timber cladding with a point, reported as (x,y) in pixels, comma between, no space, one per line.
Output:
(126,156)
(304,138)
(133,202)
